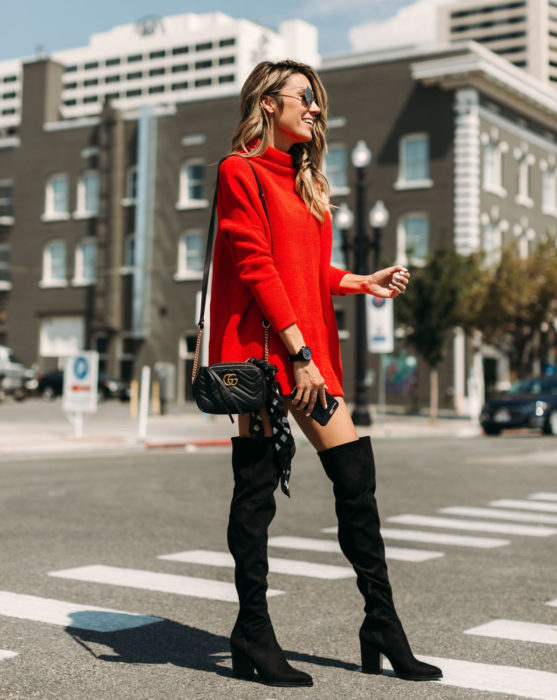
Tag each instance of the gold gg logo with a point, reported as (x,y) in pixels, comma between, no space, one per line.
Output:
(230,379)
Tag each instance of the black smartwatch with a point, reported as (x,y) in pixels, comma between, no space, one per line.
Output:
(303,355)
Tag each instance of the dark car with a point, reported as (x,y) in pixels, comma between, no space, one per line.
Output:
(529,403)
(51,385)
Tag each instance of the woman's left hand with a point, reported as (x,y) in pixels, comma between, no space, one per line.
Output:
(387,283)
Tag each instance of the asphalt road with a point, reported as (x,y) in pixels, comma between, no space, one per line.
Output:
(126,510)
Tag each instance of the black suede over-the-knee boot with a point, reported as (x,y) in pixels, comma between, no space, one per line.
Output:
(351,468)
(253,642)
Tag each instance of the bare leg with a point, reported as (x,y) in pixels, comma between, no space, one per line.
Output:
(338,431)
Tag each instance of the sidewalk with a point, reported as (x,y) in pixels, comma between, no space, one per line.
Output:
(35,427)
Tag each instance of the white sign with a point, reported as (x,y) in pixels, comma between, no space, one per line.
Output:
(379,316)
(80,383)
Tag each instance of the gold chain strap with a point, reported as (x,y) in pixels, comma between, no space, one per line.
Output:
(197,351)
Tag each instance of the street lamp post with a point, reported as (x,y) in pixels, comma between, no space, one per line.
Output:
(361,158)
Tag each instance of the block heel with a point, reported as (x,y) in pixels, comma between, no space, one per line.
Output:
(242,666)
(372,661)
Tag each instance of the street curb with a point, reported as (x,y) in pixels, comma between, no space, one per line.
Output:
(213,442)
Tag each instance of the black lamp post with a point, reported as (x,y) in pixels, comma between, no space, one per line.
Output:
(361,244)
(361,158)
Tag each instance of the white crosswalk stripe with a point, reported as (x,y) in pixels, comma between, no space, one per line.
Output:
(501,514)
(476,525)
(319,545)
(524,505)
(59,612)
(544,496)
(155,581)
(7,654)
(552,603)
(509,680)
(517,630)
(290,567)
(393,533)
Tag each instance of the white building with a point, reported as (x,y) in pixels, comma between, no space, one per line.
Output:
(522,31)
(163,60)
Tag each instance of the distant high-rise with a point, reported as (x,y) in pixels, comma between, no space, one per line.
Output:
(163,60)
(522,31)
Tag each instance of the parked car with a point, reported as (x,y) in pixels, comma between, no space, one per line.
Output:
(51,385)
(529,403)
(12,375)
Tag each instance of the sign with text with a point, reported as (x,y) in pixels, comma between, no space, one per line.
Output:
(81,373)
(380,325)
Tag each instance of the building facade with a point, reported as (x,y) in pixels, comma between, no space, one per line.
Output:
(522,31)
(160,60)
(103,218)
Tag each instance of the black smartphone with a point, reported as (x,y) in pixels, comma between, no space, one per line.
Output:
(320,414)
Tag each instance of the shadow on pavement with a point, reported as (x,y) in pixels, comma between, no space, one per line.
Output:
(169,642)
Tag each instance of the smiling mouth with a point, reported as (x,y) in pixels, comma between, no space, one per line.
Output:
(308,121)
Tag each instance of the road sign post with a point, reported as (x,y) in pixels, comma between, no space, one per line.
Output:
(80,390)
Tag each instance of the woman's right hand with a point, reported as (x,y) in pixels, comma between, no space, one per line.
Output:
(310,386)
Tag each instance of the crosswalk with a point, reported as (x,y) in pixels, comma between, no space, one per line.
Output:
(532,517)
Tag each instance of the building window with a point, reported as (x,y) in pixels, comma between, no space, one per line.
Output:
(70,86)
(549,192)
(7,112)
(92,65)
(54,265)
(227,60)
(90,82)
(135,58)
(226,78)
(56,198)
(156,88)
(131,185)
(5,278)
(157,54)
(6,201)
(335,169)
(192,184)
(199,65)
(112,62)
(70,103)
(88,194)
(67,69)
(414,162)
(523,180)
(135,75)
(205,46)
(180,86)
(227,42)
(156,71)
(338,258)
(190,256)
(180,50)
(90,98)
(492,177)
(133,93)
(492,244)
(413,239)
(203,82)
(180,68)
(85,262)
(112,79)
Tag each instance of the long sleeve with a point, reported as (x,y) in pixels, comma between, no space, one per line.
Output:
(335,276)
(243,223)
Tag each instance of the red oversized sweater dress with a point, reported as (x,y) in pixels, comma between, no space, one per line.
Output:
(291,282)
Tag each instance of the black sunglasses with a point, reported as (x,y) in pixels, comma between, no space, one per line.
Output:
(307,97)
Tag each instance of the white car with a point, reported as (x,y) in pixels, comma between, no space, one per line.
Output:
(12,375)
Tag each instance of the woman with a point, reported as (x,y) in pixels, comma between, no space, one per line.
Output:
(278,268)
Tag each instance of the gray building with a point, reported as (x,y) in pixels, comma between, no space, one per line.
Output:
(103,218)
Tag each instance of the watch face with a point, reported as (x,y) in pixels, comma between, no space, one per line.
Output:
(306,353)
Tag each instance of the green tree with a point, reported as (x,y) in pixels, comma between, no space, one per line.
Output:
(519,306)
(444,293)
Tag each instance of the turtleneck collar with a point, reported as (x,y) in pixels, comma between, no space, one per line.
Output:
(273,155)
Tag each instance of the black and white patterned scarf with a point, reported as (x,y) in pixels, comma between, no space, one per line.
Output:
(282,435)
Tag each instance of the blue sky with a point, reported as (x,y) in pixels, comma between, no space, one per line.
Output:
(63,24)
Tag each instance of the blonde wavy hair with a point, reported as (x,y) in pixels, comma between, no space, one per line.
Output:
(268,78)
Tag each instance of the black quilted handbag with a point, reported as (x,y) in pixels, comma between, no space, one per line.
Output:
(228,387)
